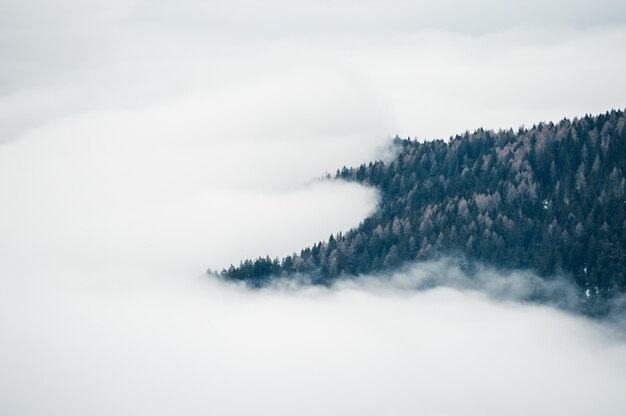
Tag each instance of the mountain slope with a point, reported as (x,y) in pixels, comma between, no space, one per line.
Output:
(551,198)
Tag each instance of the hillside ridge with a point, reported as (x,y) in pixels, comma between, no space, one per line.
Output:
(550,198)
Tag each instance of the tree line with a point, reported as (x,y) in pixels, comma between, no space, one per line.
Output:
(550,198)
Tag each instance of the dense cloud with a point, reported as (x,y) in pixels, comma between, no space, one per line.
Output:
(197,347)
(141,143)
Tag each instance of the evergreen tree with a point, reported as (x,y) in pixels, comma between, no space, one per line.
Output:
(551,198)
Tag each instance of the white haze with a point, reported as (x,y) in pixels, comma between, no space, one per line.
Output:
(143,142)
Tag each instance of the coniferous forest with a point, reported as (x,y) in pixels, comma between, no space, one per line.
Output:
(550,199)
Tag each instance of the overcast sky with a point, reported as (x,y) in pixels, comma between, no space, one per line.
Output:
(143,142)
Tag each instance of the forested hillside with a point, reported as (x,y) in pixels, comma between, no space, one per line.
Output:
(550,198)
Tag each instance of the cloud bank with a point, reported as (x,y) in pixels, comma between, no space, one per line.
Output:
(198,347)
(141,143)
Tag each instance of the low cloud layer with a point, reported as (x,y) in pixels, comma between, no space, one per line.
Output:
(198,347)
(142,143)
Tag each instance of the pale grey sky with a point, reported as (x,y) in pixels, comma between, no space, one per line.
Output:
(491,63)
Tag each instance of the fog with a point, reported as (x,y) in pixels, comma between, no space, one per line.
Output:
(198,347)
(142,143)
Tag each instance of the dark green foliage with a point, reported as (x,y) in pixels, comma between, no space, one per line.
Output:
(551,198)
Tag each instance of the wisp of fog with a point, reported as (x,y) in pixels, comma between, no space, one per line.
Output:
(142,143)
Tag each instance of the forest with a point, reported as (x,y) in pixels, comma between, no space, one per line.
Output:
(550,198)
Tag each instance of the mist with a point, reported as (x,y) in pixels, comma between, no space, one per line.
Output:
(142,143)
(198,346)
